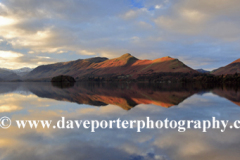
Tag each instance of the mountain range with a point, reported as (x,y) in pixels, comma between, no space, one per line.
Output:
(22,71)
(126,66)
(15,74)
(101,68)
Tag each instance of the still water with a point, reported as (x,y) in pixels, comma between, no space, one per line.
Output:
(45,101)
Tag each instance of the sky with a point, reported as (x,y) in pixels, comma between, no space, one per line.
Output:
(201,33)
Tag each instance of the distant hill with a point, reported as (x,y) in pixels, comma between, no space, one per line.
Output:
(13,74)
(121,67)
(231,68)
(8,75)
(22,71)
(202,71)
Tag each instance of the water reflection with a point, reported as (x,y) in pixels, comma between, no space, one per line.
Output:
(125,96)
(232,94)
(45,101)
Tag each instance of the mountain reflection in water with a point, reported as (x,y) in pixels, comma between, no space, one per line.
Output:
(123,95)
(46,101)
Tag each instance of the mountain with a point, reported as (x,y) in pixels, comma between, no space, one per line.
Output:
(231,68)
(13,74)
(8,75)
(126,66)
(22,71)
(202,71)
(62,68)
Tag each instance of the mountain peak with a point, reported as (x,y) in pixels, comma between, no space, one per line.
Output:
(167,58)
(236,61)
(127,56)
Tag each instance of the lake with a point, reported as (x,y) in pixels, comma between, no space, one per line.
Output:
(108,101)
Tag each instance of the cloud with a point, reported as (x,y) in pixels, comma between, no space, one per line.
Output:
(131,14)
(9,108)
(6,21)
(14,60)
(69,30)
(206,18)
(9,55)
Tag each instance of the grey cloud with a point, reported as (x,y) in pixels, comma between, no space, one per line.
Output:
(198,30)
(208,17)
(71,9)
